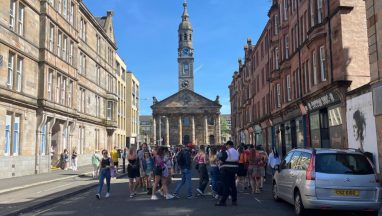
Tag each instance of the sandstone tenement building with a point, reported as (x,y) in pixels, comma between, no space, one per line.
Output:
(58,87)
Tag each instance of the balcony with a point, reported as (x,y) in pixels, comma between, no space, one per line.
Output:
(112,96)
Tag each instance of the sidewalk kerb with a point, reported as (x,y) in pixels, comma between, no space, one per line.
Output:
(41,183)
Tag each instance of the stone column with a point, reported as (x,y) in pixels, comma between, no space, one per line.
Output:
(217,129)
(51,123)
(180,130)
(219,140)
(206,130)
(160,130)
(193,129)
(154,129)
(167,131)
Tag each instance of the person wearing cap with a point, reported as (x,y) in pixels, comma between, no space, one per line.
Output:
(228,170)
(185,167)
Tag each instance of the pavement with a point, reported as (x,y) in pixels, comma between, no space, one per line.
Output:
(25,193)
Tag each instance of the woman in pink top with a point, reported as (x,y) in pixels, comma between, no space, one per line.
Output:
(201,165)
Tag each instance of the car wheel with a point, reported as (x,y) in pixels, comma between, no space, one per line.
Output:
(275,192)
(299,208)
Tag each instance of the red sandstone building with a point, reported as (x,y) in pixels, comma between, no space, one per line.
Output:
(290,90)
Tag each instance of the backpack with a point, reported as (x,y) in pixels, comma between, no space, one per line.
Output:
(180,158)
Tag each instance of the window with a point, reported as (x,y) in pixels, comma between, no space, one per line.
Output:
(109,110)
(59,6)
(11,60)
(82,68)
(8,134)
(276,23)
(65,9)
(314,62)
(71,53)
(312,14)
(98,74)
(185,69)
(81,103)
(306,80)
(211,121)
(285,164)
(339,163)
(278,95)
(12,14)
(298,82)
(43,140)
(21,19)
(64,47)
(49,81)
(322,63)
(82,140)
(286,43)
(71,13)
(51,38)
(51,2)
(58,87)
(12,134)
(98,44)
(288,87)
(319,11)
(70,93)
(185,37)
(83,29)
(294,160)
(98,105)
(277,58)
(19,73)
(285,15)
(59,44)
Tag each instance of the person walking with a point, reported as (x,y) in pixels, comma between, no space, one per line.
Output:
(95,162)
(263,163)
(133,171)
(74,160)
(214,172)
(228,170)
(64,158)
(148,166)
(242,171)
(104,173)
(201,165)
(160,174)
(114,156)
(184,161)
(273,160)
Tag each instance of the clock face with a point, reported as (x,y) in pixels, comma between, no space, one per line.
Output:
(185,84)
(185,51)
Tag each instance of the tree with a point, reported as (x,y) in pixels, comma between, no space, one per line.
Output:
(224,127)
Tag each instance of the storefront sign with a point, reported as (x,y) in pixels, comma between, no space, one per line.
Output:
(322,101)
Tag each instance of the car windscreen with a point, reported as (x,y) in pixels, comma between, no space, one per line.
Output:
(343,163)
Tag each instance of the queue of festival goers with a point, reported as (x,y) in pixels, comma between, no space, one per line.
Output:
(225,168)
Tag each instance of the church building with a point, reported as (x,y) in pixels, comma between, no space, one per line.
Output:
(186,117)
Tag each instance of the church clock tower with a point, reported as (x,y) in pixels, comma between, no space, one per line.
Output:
(185,53)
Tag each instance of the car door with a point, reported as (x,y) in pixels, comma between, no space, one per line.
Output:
(283,175)
(293,176)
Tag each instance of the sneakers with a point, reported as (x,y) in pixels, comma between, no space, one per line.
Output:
(154,197)
(169,196)
(107,195)
(216,196)
(176,195)
(98,196)
(199,191)
(132,195)
(220,204)
(190,197)
(161,193)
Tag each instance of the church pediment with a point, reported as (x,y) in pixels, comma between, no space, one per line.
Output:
(186,99)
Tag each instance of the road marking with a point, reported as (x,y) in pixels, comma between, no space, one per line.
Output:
(258,200)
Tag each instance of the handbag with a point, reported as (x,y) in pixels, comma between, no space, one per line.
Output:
(113,172)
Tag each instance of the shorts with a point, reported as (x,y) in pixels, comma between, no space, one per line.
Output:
(133,172)
(158,171)
(258,172)
(242,172)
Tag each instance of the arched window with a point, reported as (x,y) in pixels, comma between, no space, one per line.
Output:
(186,69)
(190,37)
(185,36)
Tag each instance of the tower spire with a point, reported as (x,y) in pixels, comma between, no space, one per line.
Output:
(185,13)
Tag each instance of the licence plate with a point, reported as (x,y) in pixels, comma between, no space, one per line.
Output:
(353,193)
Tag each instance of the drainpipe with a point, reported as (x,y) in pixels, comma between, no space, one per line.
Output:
(330,41)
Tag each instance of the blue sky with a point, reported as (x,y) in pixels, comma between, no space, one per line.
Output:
(146,34)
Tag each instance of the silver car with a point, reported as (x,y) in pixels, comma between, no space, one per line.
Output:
(327,179)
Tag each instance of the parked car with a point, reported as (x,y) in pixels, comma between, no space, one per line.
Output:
(328,179)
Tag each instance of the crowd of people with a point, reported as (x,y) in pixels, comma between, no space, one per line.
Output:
(225,168)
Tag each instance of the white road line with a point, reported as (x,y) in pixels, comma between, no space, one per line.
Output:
(258,200)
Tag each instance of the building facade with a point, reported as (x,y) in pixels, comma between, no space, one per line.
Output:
(225,125)
(57,84)
(120,133)
(145,129)
(374,30)
(186,117)
(132,109)
(290,90)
